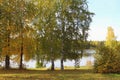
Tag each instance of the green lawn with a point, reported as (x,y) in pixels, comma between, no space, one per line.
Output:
(80,74)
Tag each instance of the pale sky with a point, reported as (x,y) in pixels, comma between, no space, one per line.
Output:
(107,13)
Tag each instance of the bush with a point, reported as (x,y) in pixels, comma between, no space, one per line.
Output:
(107,59)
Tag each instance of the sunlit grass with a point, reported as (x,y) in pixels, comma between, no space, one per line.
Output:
(84,73)
(66,68)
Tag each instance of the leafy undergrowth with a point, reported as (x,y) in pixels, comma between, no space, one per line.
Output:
(81,74)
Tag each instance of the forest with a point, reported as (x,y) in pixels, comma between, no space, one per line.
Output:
(45,30)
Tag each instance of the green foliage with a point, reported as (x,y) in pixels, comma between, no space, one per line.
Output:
(74,19)
(40,65)
(35,28)
(107,57)
(14,29)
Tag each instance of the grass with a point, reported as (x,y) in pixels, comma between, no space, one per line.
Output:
(68,74)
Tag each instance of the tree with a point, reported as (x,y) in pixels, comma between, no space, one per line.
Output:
(111,38)
(7,26)
(47,30)
(39,54)
(61,27)
(25,16)
(16,17)
(73,21)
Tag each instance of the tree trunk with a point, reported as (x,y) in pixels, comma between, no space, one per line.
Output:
(39,64)
(21,51)
(52,64)
(37,61)
(77,63)
(62,56)
(7,57)
(21,58)
(81,54)
(62,65)
(7,62)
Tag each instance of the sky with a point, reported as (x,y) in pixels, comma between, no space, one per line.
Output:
(107,13)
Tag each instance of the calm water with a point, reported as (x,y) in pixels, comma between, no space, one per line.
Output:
(83,61)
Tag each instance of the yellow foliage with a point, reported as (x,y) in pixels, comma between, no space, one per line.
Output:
(110,39)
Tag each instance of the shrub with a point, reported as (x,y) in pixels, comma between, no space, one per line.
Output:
(107,59)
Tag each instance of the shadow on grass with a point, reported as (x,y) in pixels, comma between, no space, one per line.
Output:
(80,74)
(17,71)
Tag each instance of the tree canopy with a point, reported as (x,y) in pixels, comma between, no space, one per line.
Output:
(37,29)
